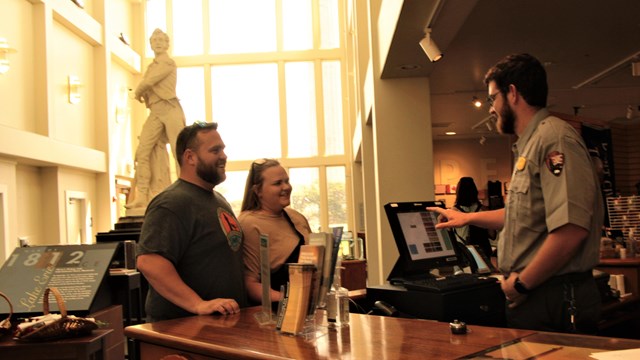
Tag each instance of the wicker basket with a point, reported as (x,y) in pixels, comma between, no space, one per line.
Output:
(5,325)
(61,328)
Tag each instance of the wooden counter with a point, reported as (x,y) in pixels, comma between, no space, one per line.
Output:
(630,268)
(240,337)
(621,317)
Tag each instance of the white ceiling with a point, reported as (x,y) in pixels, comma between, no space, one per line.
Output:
(575,39)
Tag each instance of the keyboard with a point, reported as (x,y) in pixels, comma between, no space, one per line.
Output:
(448,283)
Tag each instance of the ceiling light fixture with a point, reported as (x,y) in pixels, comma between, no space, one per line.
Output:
(450,133)
(489,122)
(5,65)
(429,46)
(635,68)
(608,71)
(489,125)
(476,102)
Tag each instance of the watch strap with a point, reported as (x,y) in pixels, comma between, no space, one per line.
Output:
(520,288)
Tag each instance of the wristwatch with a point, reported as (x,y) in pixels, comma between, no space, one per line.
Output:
(520,288)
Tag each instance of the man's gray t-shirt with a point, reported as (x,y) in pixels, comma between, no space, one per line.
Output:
(197,231)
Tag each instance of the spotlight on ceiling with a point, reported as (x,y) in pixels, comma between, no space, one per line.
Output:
(476,102)
(489,125)
(429,47)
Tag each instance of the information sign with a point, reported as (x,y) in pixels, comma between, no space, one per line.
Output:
(76,270)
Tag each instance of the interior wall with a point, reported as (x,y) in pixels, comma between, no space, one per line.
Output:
(9,198)
(49,146)
(396,153)
(77,182)
(121,139)
(72,123)
(626,153)
(121,22)
(16,26)
(31,211)
(403,156)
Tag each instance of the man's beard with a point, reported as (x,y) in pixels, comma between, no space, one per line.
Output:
(209,173)
(507,121)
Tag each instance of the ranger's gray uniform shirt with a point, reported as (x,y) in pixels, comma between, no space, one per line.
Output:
(553,184)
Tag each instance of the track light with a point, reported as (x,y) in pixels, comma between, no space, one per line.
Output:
(476,102)
(429,47)
(489,125)
(488,122)
(635,68)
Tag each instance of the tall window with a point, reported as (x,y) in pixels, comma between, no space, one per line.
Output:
(271,74)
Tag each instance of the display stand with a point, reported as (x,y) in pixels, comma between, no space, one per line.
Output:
(265,316)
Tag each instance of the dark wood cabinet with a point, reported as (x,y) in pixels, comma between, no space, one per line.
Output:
(354,274)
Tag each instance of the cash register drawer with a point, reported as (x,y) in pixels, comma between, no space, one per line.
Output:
(479,305)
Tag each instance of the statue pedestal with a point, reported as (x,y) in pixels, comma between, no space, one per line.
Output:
(133,220)
(126,232)
(133,213)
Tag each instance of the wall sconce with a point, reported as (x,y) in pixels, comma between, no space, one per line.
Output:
(4,60)
(476,102)
(429,47)
(122,105)
(74,89)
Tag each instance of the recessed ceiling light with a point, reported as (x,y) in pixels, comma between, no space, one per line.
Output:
(450,133)
(476,102)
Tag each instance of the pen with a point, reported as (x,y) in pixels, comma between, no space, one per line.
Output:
(544,353)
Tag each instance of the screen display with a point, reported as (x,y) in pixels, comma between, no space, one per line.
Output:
(421,246)
(421,237)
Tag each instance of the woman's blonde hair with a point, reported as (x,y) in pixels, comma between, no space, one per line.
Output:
(250,201)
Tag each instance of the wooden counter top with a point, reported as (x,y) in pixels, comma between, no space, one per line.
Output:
(241,337)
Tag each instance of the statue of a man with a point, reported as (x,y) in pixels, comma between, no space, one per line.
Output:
(166,119)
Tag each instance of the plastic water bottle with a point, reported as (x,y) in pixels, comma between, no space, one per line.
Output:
(358,249)
(338,303)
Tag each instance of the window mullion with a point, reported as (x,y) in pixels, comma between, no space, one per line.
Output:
(279,30)
(206,29)
(315,17)
(324,197)
(169,29)
(282,91)
(319,107)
